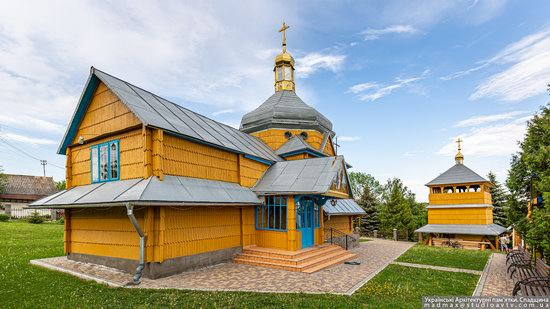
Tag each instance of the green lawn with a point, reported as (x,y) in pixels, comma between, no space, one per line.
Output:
(23,285)
(448,257)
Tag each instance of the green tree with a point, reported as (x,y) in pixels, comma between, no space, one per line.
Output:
(359,179)
(60,185)
(370,204)
(499,198)
(395,212)
(532,164)
(3,180)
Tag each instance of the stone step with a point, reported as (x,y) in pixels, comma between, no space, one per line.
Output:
(270,252)
(307,261)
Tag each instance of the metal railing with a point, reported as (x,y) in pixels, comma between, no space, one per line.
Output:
(339,238)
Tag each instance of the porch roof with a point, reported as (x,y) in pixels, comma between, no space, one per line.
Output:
(465,229)
(172,190)
(307,176)
(343,207)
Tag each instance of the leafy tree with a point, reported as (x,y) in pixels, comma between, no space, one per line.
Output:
(60,185)
(499,200)
(3,180)
(395,212)
(359,179)
(370,204)
(532,164)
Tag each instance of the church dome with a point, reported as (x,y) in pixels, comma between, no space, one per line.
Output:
(284,57)
(285,110)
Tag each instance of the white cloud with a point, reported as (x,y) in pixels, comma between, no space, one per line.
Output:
(495,140)
(223,111)
(314,62)
(372,91)
(27,139)
(526,73)
(477,120)
(410,153)
(348,138)
(374,34)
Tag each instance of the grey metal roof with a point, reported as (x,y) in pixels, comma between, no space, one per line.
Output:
(466,229)
(295,143)
(343,207)
(155,111)
(172,189)
(458,173)
(285,110)
(435,206)
(307,176)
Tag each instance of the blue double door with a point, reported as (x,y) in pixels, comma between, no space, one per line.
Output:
(306,220)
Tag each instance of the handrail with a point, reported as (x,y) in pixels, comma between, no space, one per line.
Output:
(339,238)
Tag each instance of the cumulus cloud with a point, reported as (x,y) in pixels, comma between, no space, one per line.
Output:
(494,140)
(477,120)
(34,141)
(314,62)
(375,34)
(372,91)
(526,72)
(348,138)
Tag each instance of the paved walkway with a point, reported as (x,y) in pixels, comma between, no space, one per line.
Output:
(455,270)
(374,256)
(495,281)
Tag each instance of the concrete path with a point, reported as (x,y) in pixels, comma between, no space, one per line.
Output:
(373,255)
(455,270)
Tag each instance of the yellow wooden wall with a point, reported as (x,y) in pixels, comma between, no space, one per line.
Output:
(105,114)
(482,197)
(201,229)
(250,171)
(460,215)
(275,138)
(170,231)
(341,223)
(131,158)
(185,158)
(103,232)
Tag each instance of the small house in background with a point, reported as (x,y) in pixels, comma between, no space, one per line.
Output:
(151,181)
(21,190)
(460,212)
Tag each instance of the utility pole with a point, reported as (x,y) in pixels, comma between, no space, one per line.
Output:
(44,162)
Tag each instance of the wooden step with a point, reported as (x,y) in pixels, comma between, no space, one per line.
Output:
(290,261)
(286,254)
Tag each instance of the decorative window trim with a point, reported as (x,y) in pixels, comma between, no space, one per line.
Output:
(280,203)
(98,160)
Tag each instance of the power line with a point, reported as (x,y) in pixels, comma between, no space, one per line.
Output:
(21,151)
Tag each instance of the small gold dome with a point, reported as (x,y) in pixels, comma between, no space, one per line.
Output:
(459,158)
(284,57)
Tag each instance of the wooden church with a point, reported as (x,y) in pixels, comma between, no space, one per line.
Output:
(154,185)
(460,210)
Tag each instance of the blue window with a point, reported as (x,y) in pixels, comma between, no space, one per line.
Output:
(272,215)
(105,162)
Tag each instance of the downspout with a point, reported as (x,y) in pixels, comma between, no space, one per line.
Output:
(141,265)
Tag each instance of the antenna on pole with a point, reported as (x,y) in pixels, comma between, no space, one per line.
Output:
(44,163)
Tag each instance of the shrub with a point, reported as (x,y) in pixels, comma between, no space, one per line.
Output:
(60,221)
(35,218)
(4,217)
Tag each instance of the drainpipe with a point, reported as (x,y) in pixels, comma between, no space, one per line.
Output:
(141,266)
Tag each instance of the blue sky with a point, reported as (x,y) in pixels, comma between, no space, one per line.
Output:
(400,80)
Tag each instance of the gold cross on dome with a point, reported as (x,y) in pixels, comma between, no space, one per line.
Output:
(458,141)
(283,30)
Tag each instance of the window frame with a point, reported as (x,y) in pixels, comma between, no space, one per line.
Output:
(279,202)
(98,167)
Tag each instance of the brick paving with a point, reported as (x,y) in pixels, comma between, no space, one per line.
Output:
(451,269)
(373,255)
(496,281)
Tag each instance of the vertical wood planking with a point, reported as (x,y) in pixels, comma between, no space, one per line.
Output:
(158,153)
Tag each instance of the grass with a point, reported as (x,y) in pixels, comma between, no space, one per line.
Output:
(27,286)
(448,257)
